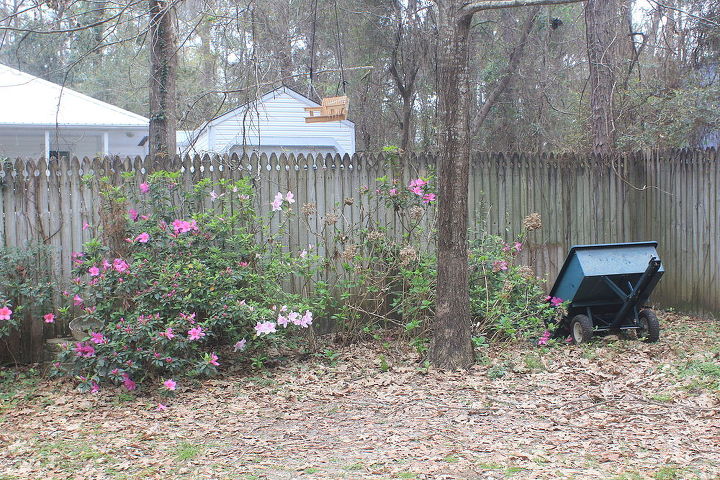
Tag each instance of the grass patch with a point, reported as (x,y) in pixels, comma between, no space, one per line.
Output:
(17,385)
(406,475)
(533,362)
(704,375)
(188,451)
(668,472)
(662,397)
(510,471)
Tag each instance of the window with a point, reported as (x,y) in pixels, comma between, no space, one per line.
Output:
(59,154)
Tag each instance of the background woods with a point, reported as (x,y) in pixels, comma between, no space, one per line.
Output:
(538,76)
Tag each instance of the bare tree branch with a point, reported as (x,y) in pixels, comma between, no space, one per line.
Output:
(477,6)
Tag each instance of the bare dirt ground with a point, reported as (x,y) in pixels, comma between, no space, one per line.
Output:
(613,409)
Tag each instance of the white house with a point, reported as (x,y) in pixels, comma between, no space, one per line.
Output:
(274,123)
(40,118)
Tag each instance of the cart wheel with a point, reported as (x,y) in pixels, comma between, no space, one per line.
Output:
(649,326)
(581,329)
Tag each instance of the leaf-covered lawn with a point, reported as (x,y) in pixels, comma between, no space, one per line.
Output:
(612,409)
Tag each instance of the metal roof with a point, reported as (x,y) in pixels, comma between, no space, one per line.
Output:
(26,100)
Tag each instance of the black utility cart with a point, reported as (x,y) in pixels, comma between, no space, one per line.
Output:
(607,286)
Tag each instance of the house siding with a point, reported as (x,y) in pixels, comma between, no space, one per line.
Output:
(25,142)
(278,125)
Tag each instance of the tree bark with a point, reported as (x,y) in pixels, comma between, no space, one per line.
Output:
(163,74)
(451,345)
(608,46)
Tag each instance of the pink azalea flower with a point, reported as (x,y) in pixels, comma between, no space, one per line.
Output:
(555,301)
(181,226)
(128,382)
(95,388)
(195,333)
(106,265)
(49,318)
(429,197)
(239,346)
(277,203)
(84,350)
(120,265)
(94,271)
(393,192)
(290,198)
(5,313)
(144,188)
(416,190)
(170,384)
(544,338)
(133,214)
(77,300)
(417,183)
(213,360)
(214,196)
(143,237)
(282,320)
(97,338)
(264,328)
(90,309)
(303,254)
(161,407)
(500,265)
(517,246)
(168,333)
(306,319)
(85,226)
(243,264)
(294,318)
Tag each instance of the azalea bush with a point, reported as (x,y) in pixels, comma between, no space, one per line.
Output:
(507,300)
(388,270)
(185,280)
(25,286)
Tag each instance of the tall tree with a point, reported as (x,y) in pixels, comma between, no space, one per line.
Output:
(451,346)
(163,77)
(608,48)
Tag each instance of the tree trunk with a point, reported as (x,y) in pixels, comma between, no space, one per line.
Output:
(163,74)
(405,127)
(607,48)
(451,346)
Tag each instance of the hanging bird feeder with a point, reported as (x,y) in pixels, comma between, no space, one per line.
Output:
(332,109)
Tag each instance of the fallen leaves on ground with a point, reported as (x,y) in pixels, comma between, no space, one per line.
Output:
(610,409)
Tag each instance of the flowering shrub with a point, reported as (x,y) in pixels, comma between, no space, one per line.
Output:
(187,281)
(506,299)
(390,280)
(25,286)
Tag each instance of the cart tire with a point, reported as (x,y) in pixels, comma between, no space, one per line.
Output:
(581,329)
(649,330)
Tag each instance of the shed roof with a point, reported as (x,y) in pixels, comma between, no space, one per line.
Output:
(27,100)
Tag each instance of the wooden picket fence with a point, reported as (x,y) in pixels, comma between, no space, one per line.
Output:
(668,196)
